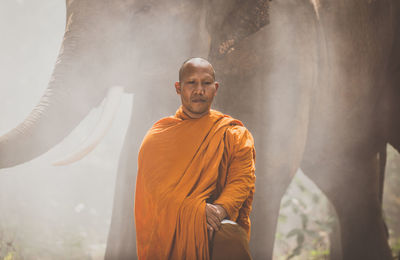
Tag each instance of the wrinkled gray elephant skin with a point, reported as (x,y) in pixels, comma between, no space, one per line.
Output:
(316,82)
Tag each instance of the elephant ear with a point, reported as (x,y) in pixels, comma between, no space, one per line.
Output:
(231,21)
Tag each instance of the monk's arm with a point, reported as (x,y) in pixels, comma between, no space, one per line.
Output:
(240,179)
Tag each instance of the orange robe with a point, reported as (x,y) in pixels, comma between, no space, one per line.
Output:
(184,163)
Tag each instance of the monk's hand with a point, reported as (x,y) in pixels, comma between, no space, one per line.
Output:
(214,214)
(210,232)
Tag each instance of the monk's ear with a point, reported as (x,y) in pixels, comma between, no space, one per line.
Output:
(216,87)
(178,87)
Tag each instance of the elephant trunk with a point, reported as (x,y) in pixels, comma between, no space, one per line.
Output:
(65,102)
(110,108)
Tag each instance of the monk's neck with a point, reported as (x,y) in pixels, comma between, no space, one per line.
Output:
(195,116)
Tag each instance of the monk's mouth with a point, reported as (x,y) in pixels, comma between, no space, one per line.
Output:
(199,101)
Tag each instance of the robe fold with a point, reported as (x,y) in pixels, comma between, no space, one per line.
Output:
(184,163)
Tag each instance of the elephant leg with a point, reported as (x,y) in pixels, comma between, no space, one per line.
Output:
(267,81)
(266,211)
(353,187)
(121,243)
(389,108)
(335,248)
(149,105)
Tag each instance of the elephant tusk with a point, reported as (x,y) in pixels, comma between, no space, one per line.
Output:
(110,108)
(316,4)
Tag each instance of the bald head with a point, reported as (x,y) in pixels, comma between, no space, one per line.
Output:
(192,63)
(196,86)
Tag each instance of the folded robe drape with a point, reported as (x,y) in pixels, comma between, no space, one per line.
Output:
(183,163)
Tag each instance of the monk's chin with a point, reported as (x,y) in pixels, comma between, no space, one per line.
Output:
(196,113)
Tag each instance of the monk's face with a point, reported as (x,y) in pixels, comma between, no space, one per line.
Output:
(197,88)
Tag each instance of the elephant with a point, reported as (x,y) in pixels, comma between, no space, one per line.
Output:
(314,81)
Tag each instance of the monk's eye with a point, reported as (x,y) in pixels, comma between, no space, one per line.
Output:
(191,82)
(208,83)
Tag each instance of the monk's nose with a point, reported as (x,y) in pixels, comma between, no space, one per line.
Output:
(199,89)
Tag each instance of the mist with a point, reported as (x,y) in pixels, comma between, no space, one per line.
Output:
(65,212)
(50,212)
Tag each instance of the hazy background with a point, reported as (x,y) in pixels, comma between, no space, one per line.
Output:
(46,210)
(49,212)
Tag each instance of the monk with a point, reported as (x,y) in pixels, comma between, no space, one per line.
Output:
(195,181)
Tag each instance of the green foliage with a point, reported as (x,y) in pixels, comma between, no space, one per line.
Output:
(9,256)
(306,220)
(7,248)
(391,199)
(308,237)
(395,245)
(13,247)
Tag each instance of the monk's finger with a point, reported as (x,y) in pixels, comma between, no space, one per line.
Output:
(211,214)
(210,209)
(217,222)
(214,222)
(209,227)
(218,211)
(217,218)
(210,232)
(221,212)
